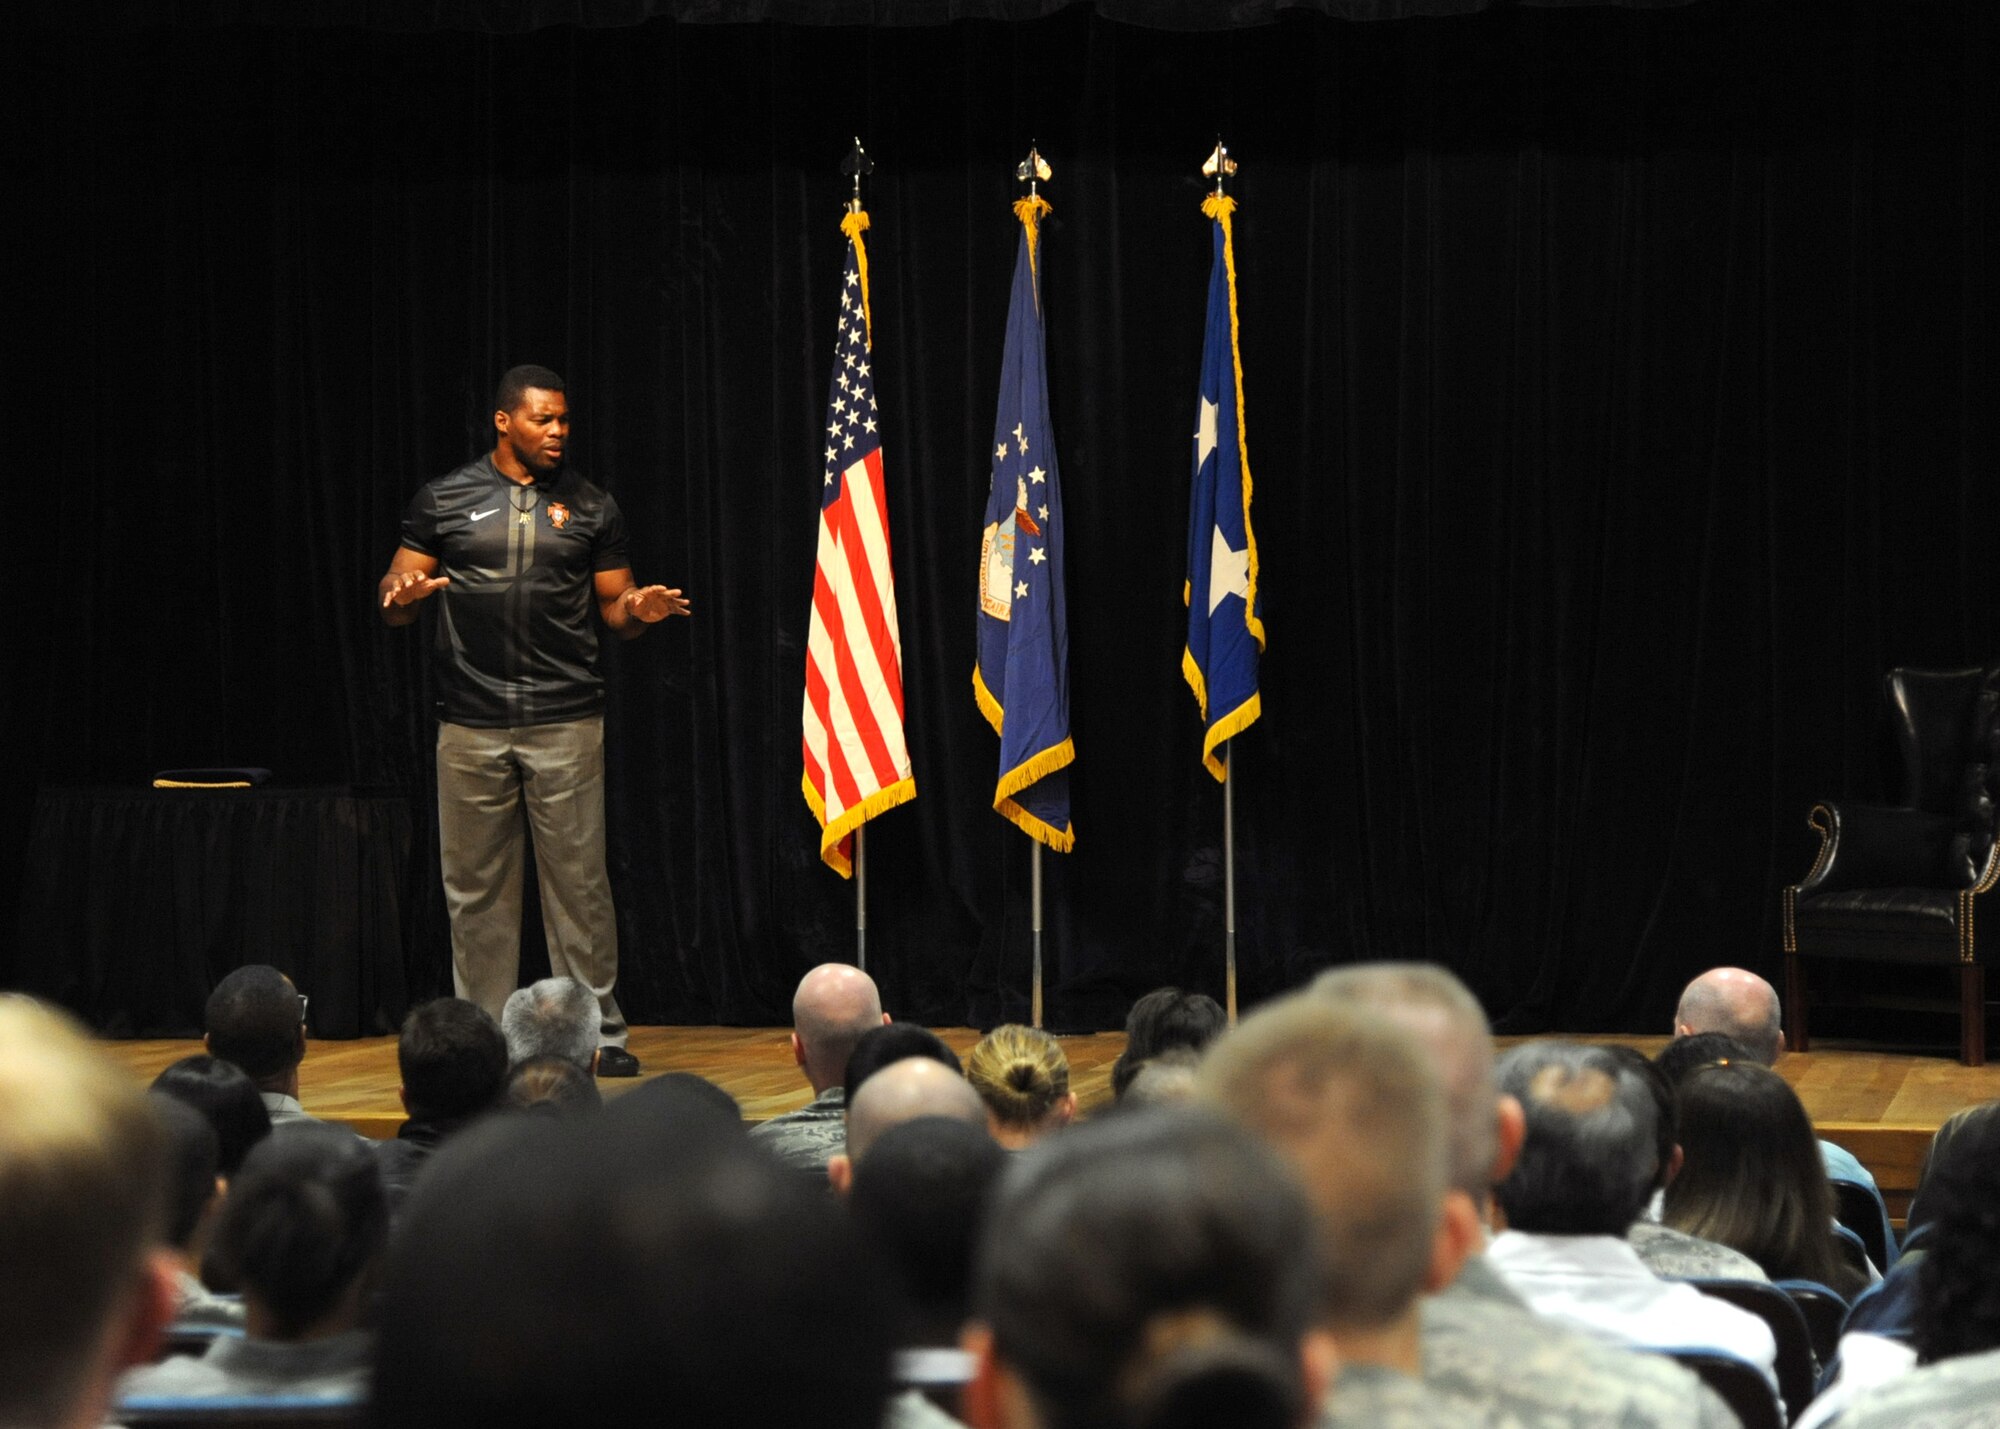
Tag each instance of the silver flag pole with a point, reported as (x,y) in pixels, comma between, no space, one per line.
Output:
(858,165)
(1229,876)
(1035,917)
(861,899)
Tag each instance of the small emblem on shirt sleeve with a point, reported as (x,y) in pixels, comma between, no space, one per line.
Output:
(558,515)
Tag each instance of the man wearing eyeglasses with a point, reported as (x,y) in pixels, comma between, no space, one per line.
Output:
(256,1019)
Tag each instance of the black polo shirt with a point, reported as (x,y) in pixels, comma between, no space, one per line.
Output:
(514,636)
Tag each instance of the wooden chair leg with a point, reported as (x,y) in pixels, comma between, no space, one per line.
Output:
(1972,1014)
(1797,1036)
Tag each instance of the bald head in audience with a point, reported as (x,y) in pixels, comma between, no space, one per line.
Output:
(900,1092)
(1351,1101)
(834,1006)
(1737,1004)
(84,1285)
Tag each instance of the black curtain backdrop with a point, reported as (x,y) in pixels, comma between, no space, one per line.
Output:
(1619,387)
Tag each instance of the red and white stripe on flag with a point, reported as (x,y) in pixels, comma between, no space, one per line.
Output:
(856,760)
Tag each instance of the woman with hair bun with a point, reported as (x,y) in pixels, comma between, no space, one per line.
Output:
(1023,1077)
(1152,1271)
(302,1230)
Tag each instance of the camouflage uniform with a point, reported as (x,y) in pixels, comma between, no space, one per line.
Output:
(1481,1342)
(1370,1396)
(805,1139)
(1669,1252)
(1961,1393)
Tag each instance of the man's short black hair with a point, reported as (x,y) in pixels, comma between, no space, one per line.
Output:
(676,1093)
(515,382)
(304,1221)
(486,1316)
(453,1060)
(1699,1049)
(892,1042)
(920,1199)
(253,1019)
(192,1163)
(224,1093)
(1164,1019)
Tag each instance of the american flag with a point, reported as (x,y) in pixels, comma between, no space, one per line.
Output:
(856,761)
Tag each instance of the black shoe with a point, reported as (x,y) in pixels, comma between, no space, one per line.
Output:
(616,1062)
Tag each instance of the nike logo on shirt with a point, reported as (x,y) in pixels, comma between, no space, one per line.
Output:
(482,515)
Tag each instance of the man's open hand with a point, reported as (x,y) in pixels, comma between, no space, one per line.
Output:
(409,587)
(654,603)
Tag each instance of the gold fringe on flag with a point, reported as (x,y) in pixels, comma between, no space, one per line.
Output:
(854,225)
(1219,207)
(1031,211)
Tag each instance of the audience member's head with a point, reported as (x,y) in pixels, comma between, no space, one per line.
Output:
(554,1085)
(742,1297)
(1448,1022)
(892,1042)
(900,1092)
(556,1017)
(82,1170)
(919,1203)
(1149,1270)
(1666,1112)
(1751,1176)
(1737,1004)
(453,1060)
(1023,1077)
(1698,1049)
(1351,1102)
(222,1092)
(834,1006)
(1958,1312)
(302,1232)
(1169,1079)
(193,1180)
(256,1019)
(672,1096)
(1942,1151)
(1590,1159)
(1163,1019)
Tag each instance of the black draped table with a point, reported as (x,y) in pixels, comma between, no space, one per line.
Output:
(136,902)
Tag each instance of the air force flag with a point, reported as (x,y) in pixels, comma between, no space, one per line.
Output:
(1021,680)
(1225,636)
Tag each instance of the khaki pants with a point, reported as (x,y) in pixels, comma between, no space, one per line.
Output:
(485,777)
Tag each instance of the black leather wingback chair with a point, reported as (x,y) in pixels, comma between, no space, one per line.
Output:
(1910,884)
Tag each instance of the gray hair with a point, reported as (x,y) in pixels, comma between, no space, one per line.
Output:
(1591,1157)
(556,1017)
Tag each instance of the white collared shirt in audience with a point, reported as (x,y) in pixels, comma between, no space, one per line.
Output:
(1598,1284)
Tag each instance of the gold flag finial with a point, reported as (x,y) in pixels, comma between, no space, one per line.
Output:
(1218,165)
(1033,170)
(859,165)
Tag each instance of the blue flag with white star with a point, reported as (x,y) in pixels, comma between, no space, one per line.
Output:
(1225,635)
(1022,677)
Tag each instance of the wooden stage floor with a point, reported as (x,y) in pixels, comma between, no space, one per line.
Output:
(1883,1107)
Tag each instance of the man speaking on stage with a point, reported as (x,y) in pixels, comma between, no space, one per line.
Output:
(514,549)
